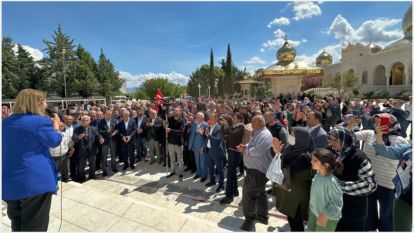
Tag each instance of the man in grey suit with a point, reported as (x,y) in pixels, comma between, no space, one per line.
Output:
(85,138)
(154,126)
(319,135)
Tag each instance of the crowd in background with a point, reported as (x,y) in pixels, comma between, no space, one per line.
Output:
(343,158)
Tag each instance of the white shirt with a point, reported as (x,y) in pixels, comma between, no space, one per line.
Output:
(140,121)
(407,107)
(126,124)
(108,123)
(211,132)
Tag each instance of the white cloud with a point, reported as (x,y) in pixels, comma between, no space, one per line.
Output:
(376,30)
(136,80)
(279,40)
(305,10)
(255,60)
(279,21)
(35,53)
(335,50)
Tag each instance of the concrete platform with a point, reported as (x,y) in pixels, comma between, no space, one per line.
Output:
(143,199)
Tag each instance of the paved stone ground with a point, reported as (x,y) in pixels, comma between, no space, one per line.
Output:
(144,200)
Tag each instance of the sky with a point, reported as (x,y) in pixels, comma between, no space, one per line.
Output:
(171,39)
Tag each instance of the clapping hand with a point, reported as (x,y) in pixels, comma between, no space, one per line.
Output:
(101,140)
(241,148)
(277,145)
(82,135)
(322,220)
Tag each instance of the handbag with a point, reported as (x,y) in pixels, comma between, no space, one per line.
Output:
(274,172)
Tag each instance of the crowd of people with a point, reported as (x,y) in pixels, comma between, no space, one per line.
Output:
(342,158)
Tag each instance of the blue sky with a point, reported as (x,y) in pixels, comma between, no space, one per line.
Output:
(148,38)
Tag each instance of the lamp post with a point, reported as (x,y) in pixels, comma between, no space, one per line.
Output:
(209,91)
(63,64)
(199,90)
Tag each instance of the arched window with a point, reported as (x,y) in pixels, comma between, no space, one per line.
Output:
(397,74)
(379,76)
(365,77)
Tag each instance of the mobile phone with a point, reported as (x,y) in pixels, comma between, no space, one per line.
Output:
(385,121)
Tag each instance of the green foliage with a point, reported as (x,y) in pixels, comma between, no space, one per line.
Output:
(201,76)
(59,65)
(211,77)
(228,74)
(368,95)
(85,72)
(343,83)
(108,77)
(141,95)
(150,86)
(10,70)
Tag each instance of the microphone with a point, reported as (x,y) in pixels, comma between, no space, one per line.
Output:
(49,113)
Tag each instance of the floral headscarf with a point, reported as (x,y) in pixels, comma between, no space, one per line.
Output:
(347,139)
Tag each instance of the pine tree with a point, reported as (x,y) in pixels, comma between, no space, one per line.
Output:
(10,70)
(211,78)
(86,69)
(108,77)
(26,69)
(59,65)
(228,76)
(220,83)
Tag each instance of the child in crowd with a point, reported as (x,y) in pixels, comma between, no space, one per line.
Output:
(326,195)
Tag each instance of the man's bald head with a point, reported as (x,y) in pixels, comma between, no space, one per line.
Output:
(258,122)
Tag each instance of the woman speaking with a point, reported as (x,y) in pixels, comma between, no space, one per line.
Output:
(29,173)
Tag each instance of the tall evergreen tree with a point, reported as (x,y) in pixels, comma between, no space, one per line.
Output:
(108,77)
(211,78)
(26,69)
(59,65)
(228,74)
(220,82)
(10,70)
(85,72)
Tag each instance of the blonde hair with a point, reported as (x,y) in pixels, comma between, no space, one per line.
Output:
(28,100)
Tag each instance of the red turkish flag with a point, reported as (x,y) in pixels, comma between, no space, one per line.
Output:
(159,98)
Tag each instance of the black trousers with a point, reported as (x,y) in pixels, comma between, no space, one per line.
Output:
(231,185)
(91,157)
(30,214)
(296,223)
(73,165)
(254,200)
(128,153)
(189,159)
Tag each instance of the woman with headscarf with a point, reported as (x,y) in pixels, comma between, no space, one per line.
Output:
(295,202)
(357,179)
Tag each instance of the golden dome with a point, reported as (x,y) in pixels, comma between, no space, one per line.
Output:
(374,48)
(286,54)
(245,76)
(324,59)
(407,24)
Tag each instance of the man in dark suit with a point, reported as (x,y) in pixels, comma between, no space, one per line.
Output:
(85,138)
(215,152)
(141,136)
(319,135)
(155,125)
(127,130)
(106,128)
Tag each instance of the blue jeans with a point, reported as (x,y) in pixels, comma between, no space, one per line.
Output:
(383,222)
(141,148)
(201,160)
(218,160)
(231,185)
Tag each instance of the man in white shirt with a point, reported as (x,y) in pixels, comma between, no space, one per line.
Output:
(68,120)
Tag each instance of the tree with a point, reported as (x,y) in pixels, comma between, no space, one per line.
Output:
(201,76)
(27,69)
(344,83)
(59,64)
(10,70)
(150,86)
(85,72)
(220,81)
(311,81)
(211,77)
(108,77)
(228,74)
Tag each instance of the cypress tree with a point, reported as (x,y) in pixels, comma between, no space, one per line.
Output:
(211,79)
(228,76)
